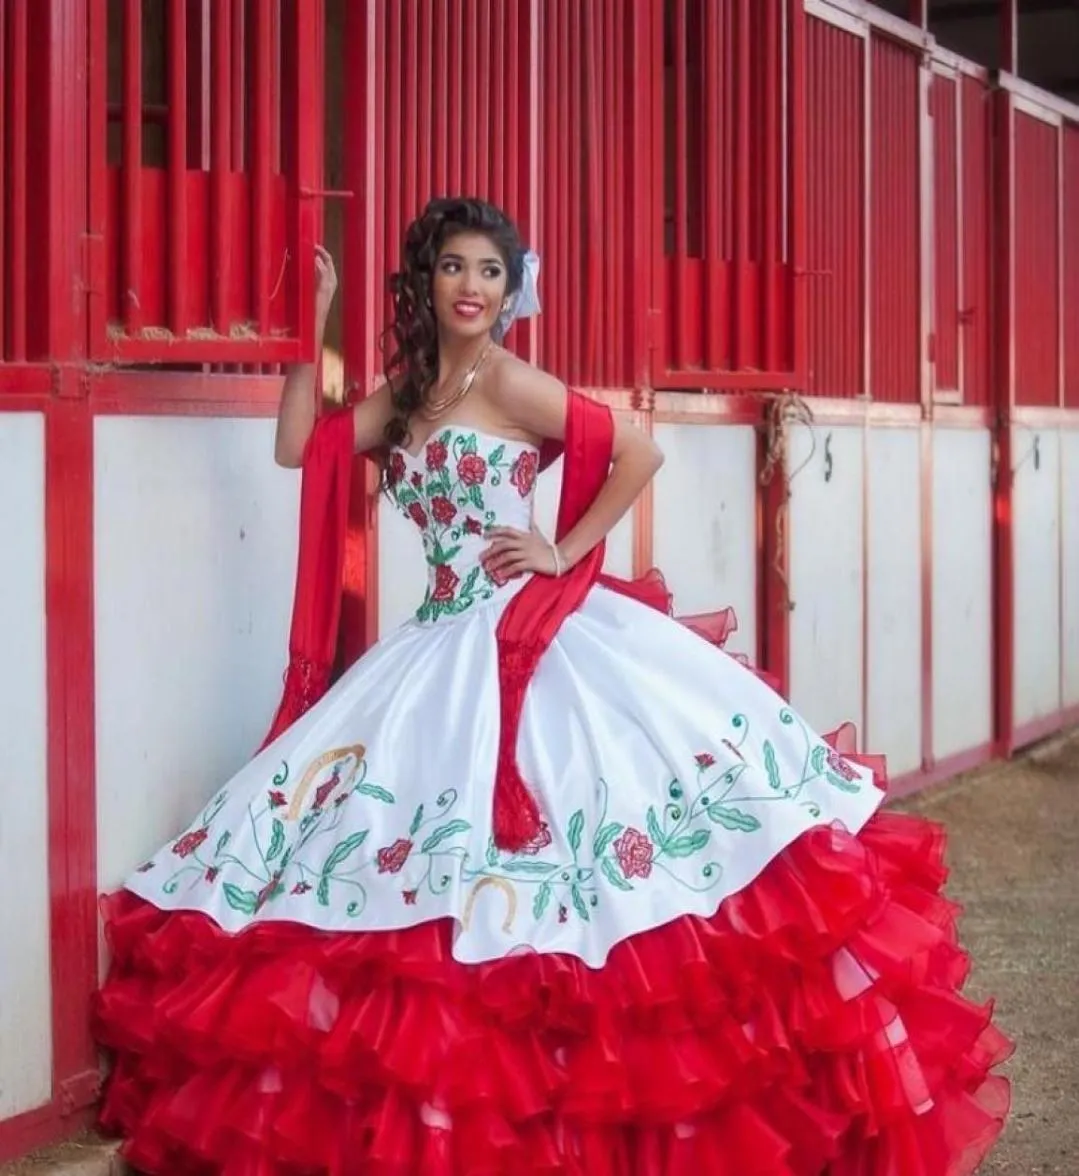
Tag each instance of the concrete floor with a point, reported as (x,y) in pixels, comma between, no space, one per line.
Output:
(1015,866)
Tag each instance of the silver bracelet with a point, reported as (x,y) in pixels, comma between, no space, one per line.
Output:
(559,567)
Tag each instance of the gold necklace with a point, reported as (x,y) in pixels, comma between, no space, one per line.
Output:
(433,409)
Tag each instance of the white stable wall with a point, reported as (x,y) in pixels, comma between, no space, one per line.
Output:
(962,553)
(1036,548)
(826,574)
(704,513)
(894,597)
(194,564)
(25,998)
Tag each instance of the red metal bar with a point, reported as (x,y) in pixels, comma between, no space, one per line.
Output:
(683,347)
(18,113)
(747,301)
(394,130)
(773,309)
(198,84)
(454,81)
(425,59)
(220,160)
(799,219)
(597,243)
(501,55)
(132,244)
(3,179)
(96,254)
(410,145)
(716,304)
(481,87)
(625,131)
(575,267)
(238,80)
(440,132)
(177,165)
(262,104)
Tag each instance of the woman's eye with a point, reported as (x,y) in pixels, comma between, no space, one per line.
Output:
(492,273)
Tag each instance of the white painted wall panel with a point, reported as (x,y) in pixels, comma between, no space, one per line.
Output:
(194,568)
(1069,472)
(894,598)
(25,1012)
(962,592)
(826,574)
(1036,514)
(704,516)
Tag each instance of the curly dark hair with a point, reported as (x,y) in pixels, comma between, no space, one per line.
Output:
(410,345)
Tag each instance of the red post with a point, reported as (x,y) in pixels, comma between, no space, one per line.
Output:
(17,216)
(220,165)
(261,164)
(177,165)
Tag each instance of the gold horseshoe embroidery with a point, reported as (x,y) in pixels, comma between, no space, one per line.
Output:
(357,750)
(511,901)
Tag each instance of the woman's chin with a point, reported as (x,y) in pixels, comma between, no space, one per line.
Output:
(460,329)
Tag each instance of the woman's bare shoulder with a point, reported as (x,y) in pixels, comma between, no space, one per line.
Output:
(527,396)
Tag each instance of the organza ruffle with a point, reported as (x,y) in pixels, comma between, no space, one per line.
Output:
(812,1025)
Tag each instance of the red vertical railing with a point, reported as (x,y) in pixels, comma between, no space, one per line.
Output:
(948,232)
(208,238)
(976,311)
(895,233)
(1070,250)
(835,196)
(1037,269)
(728,163)
(13,194)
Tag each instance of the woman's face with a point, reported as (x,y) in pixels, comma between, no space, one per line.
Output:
(469,285)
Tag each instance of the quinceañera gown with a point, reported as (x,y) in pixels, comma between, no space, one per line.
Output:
(704,950)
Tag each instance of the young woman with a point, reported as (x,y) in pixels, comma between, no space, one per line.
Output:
(545,882)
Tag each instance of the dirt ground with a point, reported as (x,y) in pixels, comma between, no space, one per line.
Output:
(1014,836)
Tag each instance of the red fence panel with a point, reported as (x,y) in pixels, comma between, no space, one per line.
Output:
(1037,268)
(895,229)
(14,204)
(1071,264)
(948,231)
(975,310)
(835,246)
(205,148)
(727,167)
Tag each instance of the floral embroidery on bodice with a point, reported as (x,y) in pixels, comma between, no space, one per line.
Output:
(462,482)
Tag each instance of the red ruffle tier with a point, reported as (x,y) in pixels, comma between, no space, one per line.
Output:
(728,1046)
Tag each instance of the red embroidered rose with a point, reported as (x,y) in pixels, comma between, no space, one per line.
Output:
(634,851)
(323,791)
(704,760)
(541,840)
(396,471)
(417,480)
(187,844)
(277,799)
(436,455)
(472,469)
(301,888)
(211,873)
(270,891)
(443,510)
(393,857)
(409,896)
(446,580)
(523,474)
(473,526)
(417,514)
(840,766)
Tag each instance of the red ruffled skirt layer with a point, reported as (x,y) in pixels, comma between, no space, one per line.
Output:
(812,1026)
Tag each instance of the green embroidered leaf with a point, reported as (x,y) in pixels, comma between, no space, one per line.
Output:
(475,497)
(241,900)
(654,831)
(604,836)
(841,784)
(771,765)
(323,892)
(579,904)
(576,828)
(222,841)
(281,776)
(734,819)
(375,790)
(470,581)
(470,443)
(541,901)
(689,845)
(442,833)
(524,866)
(417,821)
(819,752)
(341,851)
(406,497)
(613,875)
(277,840)
(496,455)
(492,851)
